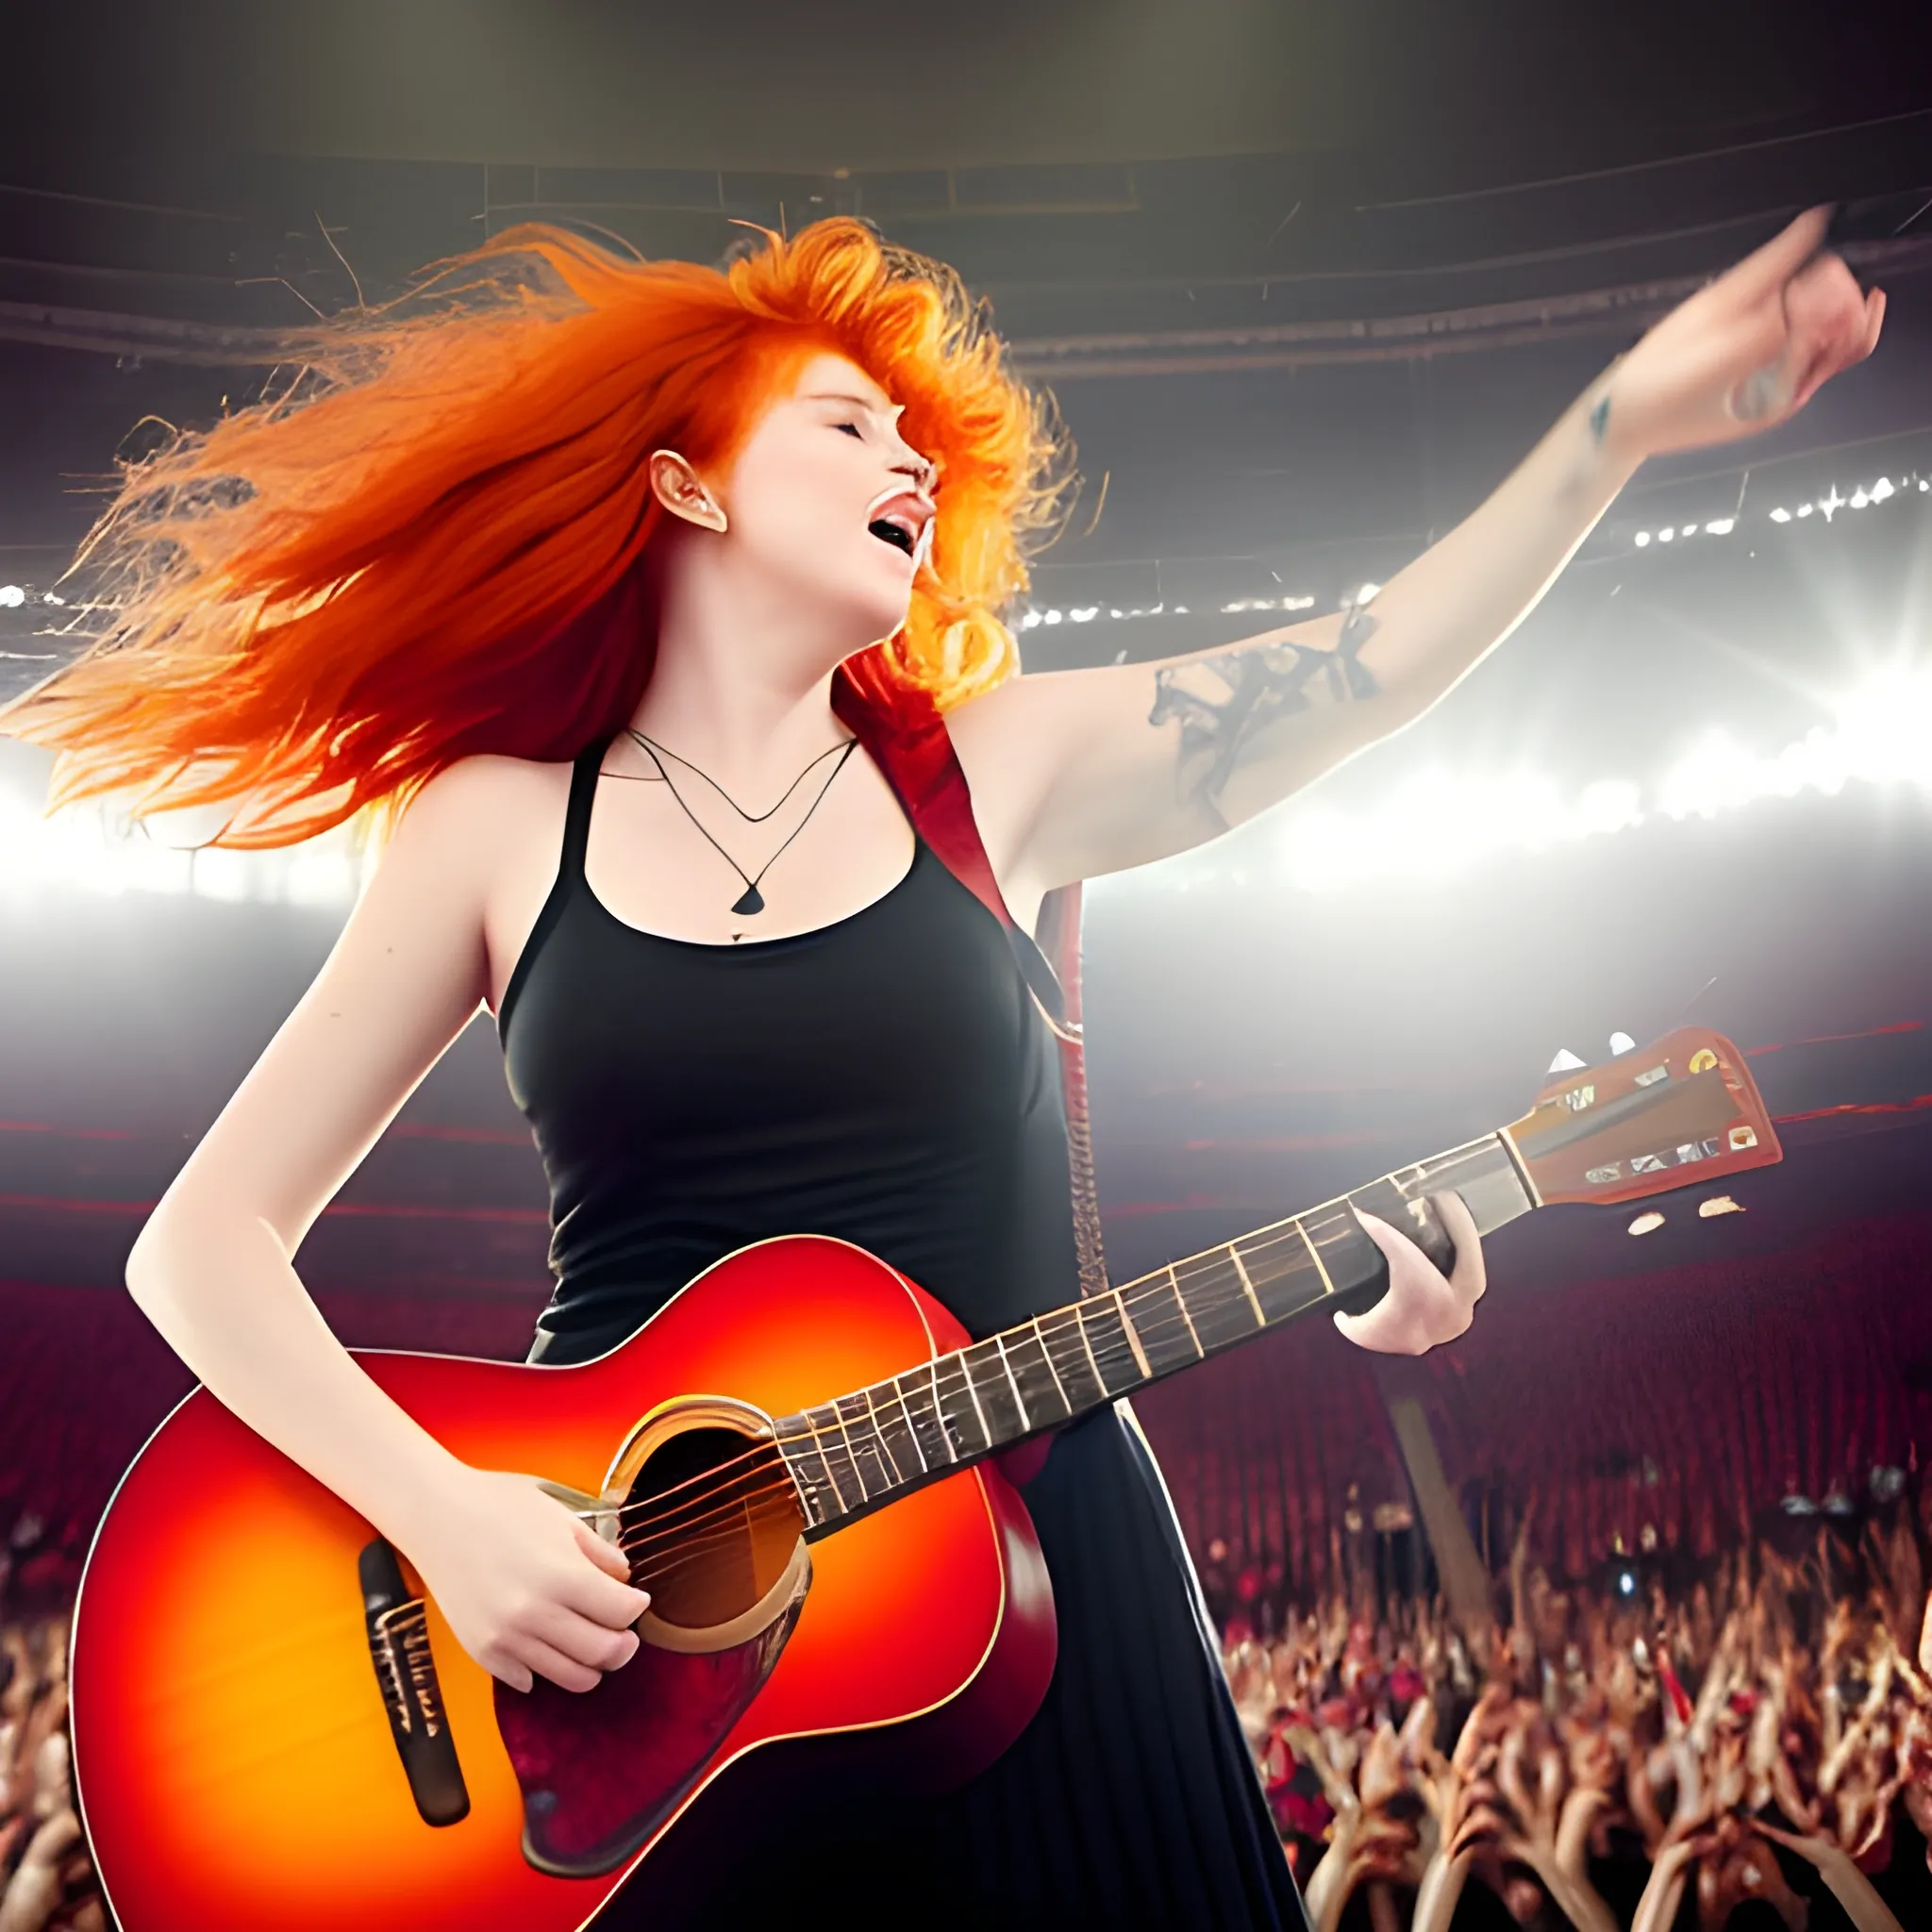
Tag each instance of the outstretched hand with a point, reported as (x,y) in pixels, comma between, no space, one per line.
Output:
(1746,352)
(1422,1305)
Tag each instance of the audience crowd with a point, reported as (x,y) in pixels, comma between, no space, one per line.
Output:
(1746,1744)
(1751,1742)
(46,1880)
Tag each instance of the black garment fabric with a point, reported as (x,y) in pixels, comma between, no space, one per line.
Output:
(887,1080)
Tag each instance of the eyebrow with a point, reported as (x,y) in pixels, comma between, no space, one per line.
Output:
(857,402)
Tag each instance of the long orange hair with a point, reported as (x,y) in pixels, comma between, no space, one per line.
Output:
(431,546)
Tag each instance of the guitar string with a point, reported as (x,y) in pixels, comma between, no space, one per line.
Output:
(1134,1294)
(1115,1355)
(1073,1313)
(959,1373)
(952,1371)
(955,1373)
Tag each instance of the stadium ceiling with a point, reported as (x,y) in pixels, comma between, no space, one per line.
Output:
(1123,168)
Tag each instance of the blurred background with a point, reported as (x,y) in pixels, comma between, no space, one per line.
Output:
(1306,281)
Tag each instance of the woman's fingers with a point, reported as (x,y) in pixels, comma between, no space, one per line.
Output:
(1768,269)
(1468,1278)
(604,1601)
(1422,1306)
(584,1641)
(566,1673)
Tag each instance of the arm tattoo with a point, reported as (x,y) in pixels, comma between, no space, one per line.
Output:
(1599,422)
(1224,701)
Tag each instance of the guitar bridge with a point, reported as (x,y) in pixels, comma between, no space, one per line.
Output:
(398,1629)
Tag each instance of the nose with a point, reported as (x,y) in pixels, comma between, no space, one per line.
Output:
(923,472)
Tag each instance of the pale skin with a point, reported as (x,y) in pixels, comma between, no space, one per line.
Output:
(767,578)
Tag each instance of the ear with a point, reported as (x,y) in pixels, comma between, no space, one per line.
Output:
(682,491)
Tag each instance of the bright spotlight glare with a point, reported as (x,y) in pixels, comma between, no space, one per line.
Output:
(1782,515)
(1881,734)
(11,596)
(1643,539)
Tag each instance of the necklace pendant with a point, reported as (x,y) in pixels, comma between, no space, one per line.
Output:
(751,900)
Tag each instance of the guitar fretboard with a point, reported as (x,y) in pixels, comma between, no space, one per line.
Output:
(851,1456)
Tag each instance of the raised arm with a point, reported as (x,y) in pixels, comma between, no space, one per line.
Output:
(1081,772)
(525,1586)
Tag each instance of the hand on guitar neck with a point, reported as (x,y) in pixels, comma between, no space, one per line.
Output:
(1422,1306)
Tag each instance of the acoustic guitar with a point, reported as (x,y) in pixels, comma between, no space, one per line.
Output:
(274,1729)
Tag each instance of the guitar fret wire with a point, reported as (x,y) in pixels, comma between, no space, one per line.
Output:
(1133,1339)
(1013,1383)
(878,1436)
(1181,1303)
(1315,1256)
(918,1448)
(1087,1343)
(1047,1356)
(973,1395)
(1234,1254)
(851,1454)
(939,1413)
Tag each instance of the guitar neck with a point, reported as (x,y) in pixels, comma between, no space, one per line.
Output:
(862,1451)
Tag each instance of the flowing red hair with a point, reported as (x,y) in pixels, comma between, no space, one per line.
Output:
(429,548)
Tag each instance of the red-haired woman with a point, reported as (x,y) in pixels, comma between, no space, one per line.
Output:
(569,570)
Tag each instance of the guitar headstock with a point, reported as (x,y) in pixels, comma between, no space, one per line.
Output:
(1676,1114)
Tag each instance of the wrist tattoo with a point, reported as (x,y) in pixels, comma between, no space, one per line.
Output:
(1600,421)
(1223,702)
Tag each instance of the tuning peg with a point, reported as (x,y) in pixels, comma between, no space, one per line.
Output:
(1565,1061)
(1622,1042)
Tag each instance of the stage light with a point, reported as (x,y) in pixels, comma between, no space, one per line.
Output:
(1882,488)
(1622,1043)
(1367,592)
(1623,1580)
(1804,509)
(1566,1061)
(11,596)
(1716,1204)
(1781,515)
(1722,526)
(1665,536)
(1689,530)
(1647,1223)
(1052,617)
(1642,540)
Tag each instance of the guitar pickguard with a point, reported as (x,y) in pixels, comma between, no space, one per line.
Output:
(602,1772)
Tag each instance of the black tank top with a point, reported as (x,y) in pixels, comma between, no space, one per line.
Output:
(886,1079)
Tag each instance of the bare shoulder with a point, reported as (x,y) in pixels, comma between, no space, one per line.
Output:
(1006,741)
(483,794)
(481,843)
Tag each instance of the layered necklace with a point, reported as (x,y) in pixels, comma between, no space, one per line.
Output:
(751,900)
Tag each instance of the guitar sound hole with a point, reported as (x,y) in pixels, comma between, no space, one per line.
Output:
(709,1524)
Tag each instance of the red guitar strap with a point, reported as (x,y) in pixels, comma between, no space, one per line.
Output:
(906,739)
